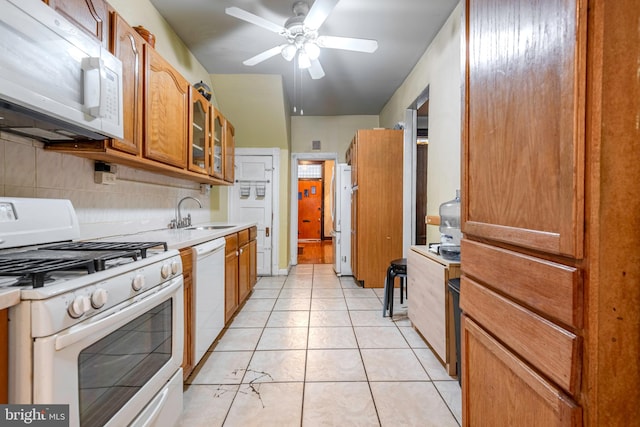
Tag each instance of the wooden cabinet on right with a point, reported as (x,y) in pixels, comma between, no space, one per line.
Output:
(375,157)
(229,151)
(551,270)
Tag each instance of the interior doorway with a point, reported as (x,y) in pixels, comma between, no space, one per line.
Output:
(311,207)
(422,156)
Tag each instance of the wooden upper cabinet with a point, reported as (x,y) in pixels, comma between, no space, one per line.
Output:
(525,121)
(199,133)
(89,15)
(127,45)
(229,151)
(167,112)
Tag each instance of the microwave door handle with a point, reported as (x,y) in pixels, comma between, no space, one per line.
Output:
(93,69)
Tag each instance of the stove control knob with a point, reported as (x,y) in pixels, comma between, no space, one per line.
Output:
(79,306)
(138,282)
(165,271)
(99,298)
(175,267)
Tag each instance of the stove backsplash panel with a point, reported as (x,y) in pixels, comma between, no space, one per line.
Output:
(138,201)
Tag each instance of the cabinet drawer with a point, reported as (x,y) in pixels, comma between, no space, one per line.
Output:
(243,237)
(504,390)
(547,287)
(548,347)
(231,243)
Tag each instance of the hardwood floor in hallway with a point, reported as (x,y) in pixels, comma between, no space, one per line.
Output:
(315,252)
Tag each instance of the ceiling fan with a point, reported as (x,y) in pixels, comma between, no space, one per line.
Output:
(301,34)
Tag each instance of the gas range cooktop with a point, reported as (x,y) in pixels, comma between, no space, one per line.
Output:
(36,267)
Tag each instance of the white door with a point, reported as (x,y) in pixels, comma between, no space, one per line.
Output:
(251,200)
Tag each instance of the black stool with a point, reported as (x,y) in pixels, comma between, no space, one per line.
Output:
(397,268)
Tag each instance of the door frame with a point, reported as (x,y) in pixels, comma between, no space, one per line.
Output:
(293,208)
(275,202)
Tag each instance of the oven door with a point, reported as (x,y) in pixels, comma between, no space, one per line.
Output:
(111,367)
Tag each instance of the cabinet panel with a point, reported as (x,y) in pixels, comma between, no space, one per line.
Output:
(91,16)
(523,177)
(217,146)
(551,349)
(229,151)
(199,133)
(127,45)
(507,392)
(231,300)
(549,288)
(167,112)
(244,272)
(189,307)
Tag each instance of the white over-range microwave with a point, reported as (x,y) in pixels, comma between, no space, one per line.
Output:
(56,82)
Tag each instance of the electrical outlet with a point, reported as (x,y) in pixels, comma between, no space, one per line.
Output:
(102,177)
(205,189)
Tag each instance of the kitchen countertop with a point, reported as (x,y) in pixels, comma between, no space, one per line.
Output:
(424,250)
(9,297)
(178,238)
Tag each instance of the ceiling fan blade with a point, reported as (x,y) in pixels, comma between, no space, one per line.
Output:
(263,56)
(315,71)
(347,43)
(236,12)
(319,13)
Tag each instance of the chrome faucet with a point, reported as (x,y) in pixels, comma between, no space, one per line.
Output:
(178,221)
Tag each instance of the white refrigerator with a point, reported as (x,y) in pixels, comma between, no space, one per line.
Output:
(341,215)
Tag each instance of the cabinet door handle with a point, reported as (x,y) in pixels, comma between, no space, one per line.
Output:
(266,232)
(241,250)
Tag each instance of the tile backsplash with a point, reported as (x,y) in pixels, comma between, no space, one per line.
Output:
(138,201)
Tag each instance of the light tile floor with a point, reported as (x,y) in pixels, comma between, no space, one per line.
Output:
(312,349)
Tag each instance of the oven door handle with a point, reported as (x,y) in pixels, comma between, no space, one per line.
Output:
(105,320)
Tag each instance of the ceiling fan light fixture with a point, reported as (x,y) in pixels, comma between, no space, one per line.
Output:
(303,60)
(289,52)
(312,50)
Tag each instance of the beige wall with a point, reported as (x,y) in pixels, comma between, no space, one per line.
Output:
(440,69)
(258,109)
(333,132)
(168,44)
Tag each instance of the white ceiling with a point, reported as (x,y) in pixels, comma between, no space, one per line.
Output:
(355,83)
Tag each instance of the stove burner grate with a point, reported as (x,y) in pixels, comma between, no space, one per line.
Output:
(109,246)
(35,270)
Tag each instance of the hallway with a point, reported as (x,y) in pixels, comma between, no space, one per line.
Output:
(312,349)
(315,251)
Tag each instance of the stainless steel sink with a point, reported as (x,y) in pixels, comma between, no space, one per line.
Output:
(210,227)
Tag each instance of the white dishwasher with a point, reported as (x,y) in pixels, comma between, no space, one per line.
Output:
(208,293)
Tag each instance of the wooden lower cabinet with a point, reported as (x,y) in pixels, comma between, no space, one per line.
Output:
(188,362)
(240,269)
(507,391)
(231,301)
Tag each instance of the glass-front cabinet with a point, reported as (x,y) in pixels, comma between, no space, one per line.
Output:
(217,146)
(199,133)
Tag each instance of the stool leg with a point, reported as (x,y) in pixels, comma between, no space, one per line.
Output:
(401,290)
(385,304)
(392,283)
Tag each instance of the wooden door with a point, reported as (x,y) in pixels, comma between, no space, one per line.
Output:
(166,112)
(524,171)
(127,46)
(310,209)
(216,162)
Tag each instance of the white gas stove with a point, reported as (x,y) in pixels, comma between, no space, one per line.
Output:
(98,320)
